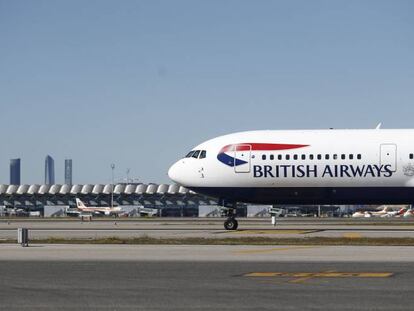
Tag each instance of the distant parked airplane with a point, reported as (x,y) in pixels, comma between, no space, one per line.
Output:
(384,213)
(102,210)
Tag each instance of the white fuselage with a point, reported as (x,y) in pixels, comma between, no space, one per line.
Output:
(304,166)
(97,209)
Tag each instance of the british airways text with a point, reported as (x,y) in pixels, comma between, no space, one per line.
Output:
(306,171)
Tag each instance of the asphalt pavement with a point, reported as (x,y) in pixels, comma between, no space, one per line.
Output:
(166,285)
(205,277)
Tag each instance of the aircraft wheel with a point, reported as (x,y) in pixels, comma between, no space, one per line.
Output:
(231,224)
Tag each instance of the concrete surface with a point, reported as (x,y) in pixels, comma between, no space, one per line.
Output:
(209,253)
(136,285)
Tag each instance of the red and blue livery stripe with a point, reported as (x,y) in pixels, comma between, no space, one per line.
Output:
(224,158)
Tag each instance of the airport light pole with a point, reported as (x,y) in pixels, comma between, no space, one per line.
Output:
(112,186)
(127,175)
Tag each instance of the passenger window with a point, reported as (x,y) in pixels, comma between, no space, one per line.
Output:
(359,157)
(303,157)
(279,157)
(196,153)
(203,154)
(335,156)
(287,157)
(351,157)
(295,157)
(343,156)
(326,156)
(263,157)
(411,156)
(272,157)
(319,157)
(311,157)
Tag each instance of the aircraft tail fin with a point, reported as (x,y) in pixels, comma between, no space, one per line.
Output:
(79,203)
(401,211)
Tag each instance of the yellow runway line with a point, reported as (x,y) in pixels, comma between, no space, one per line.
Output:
(329,274)
(352,235)
(302,277)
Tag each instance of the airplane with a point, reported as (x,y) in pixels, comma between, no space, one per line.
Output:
(398,213)
(409,213)
(366,166)
(368,214)
(101,210)
(359,214)
(384,213)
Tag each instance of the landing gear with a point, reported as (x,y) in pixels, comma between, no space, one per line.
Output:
(229,211)
(231,224)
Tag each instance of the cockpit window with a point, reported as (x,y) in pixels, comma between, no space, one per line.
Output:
(190,154)
(197,154)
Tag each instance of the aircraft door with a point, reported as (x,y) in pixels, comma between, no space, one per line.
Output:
(388,156)
(242,156)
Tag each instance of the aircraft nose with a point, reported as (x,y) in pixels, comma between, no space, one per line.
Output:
(173,172)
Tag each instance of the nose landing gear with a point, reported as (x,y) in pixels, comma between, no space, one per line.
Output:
(231,224)
(229,212)
(228,209)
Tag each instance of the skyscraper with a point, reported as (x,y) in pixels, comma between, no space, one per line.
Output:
(68,171)
(49,170)
(15,172)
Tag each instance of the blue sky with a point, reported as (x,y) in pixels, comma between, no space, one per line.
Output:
(139,83)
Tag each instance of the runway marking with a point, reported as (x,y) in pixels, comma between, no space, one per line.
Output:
(326,274)
(305,278)
(301,277)
(270,250)
(352,235)
(274,231)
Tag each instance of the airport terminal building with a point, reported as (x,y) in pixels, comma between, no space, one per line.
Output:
(155,196)
(159,199)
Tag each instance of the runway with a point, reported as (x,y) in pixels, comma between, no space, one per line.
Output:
(206,253)
(208,228)
(205,277)
(145,277)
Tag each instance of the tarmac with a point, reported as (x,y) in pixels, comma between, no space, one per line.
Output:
(177,277)
(205,277)
(206,253)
